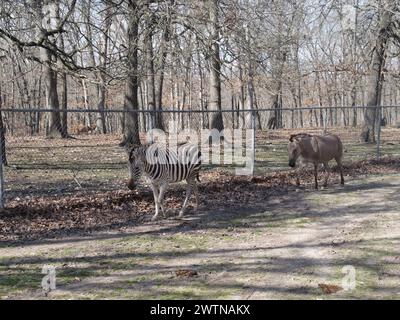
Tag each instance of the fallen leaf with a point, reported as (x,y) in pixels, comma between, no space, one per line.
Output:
(186,273)
(329,288)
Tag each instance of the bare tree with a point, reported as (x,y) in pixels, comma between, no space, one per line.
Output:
(197,55)
(166,21)
(150,74)
(375,81)
(101,74)
(131,134)
(215,66)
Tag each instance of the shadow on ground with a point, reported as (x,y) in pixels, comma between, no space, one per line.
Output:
(232,246)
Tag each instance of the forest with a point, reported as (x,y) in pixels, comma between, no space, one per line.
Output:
(156,56)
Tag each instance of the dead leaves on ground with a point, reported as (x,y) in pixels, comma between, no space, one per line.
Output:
(39,217)
(329,288)
(186,273)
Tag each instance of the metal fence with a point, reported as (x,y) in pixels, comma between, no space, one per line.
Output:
(37,164)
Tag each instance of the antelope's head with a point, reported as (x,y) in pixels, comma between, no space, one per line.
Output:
(294,149)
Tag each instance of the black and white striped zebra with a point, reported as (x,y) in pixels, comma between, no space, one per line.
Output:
(162,166)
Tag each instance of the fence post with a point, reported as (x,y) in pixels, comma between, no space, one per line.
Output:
(378,139)
(253,140)
(151,126)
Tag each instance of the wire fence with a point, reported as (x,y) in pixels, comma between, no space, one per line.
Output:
(57,153)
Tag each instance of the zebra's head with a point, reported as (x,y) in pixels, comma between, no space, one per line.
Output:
(135,160)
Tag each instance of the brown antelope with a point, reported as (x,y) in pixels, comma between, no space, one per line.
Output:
(81,128)
(315,149)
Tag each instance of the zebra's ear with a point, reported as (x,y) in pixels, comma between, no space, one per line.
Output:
(130,147)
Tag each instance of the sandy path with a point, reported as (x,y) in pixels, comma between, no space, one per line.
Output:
(281,248)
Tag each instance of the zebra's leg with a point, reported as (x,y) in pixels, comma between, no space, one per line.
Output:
(154,187)
(297,173)
(188,193)
(163,188)
(196,193)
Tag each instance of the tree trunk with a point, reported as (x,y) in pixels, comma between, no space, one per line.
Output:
(2,133)
(355,66)
(64,93)
(131,126)
(241,101)
(102,89)
(277,101)
(279,60)
(204,115)
(38,104)
(54,128)
(376,79)
(150,79)
(215,72)
(54,121)
(320,104)
(160,74)
(64,104)
(101,106)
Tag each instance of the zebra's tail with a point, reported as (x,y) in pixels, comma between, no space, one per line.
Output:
(198,175)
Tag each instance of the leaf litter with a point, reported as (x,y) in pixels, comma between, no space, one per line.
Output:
(38,217)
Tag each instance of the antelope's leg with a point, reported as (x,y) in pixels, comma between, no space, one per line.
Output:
(300,166)
(154,187)
(163,188)
(188,193)
(339,162)
(316,174)
(341,174)
(326,167)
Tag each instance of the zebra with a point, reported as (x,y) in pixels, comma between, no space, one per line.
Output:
(162,166)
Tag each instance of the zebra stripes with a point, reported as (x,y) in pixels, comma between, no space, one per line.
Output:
(162,166)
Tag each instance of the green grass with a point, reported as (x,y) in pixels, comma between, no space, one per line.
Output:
(139,267)
(114,258)
(97,162)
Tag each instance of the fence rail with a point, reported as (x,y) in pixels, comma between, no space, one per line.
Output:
(110,110)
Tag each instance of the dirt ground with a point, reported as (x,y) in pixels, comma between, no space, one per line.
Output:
(252,238)
(290,243)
